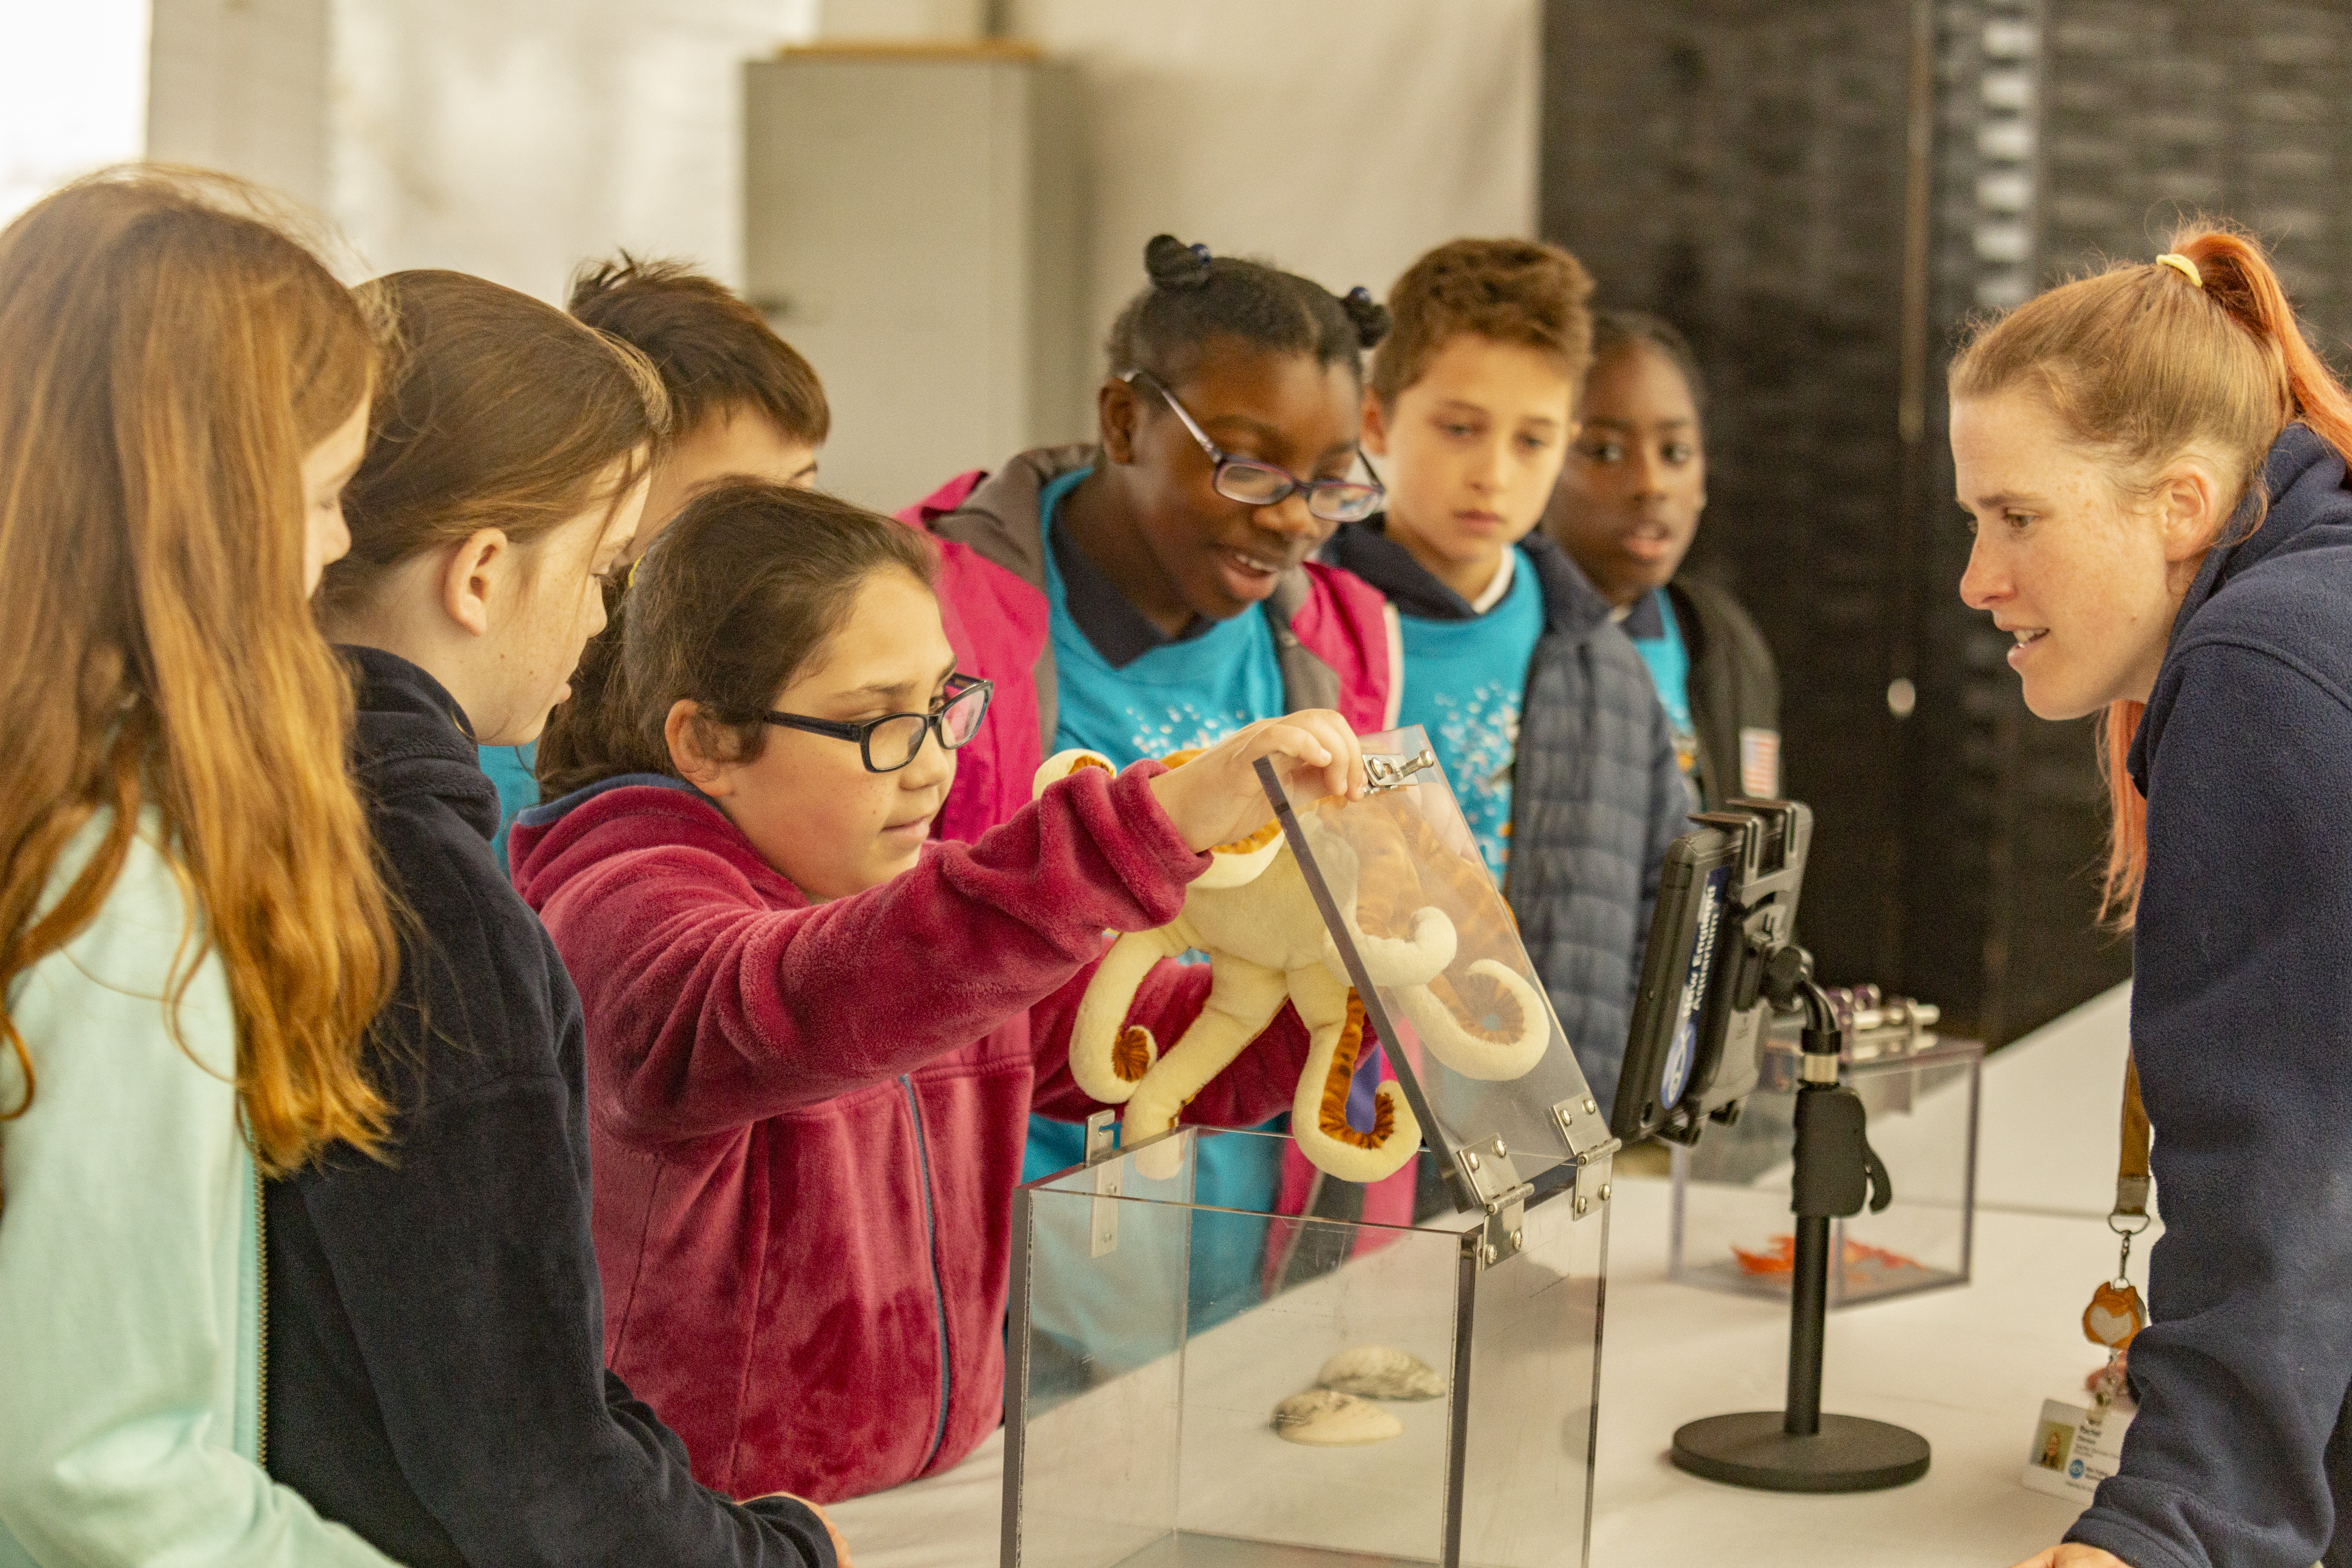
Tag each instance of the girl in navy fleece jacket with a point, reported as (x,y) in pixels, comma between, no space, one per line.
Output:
(814,1035)
(2155,460)
(437,1375)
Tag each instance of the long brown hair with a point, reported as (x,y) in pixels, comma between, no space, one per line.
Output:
(500,410)
(171,354)
(2140,363)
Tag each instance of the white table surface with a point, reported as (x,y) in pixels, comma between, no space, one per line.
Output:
(1966,1368)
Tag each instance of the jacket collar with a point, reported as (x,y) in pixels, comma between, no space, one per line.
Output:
(1572,605)
(411,738)
(550,812)
(2302,484)
(1000,518)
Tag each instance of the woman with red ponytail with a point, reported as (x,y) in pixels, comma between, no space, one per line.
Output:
(2155,460)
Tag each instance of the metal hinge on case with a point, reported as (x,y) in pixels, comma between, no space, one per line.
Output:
(1102,1149)
(1486,1170)
(1385,771)
(1591,1146)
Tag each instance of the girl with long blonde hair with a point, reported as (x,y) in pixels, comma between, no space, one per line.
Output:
(2155,460)
(192,934)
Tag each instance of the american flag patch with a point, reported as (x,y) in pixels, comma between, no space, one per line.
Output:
(1759,763)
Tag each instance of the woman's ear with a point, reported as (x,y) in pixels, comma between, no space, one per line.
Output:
(468,578)
(2190,508)
(694,765)
(1117,413)
(1375,435)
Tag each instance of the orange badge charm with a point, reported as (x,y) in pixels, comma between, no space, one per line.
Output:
(2113,1316)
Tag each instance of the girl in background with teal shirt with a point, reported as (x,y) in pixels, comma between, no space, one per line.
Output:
(1627,509)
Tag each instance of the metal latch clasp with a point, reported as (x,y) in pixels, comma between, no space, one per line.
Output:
(1384,771)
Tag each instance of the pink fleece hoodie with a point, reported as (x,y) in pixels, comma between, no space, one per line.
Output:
(806,1120)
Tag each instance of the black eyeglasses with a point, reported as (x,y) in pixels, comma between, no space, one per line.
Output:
(1253,483)
(891,742)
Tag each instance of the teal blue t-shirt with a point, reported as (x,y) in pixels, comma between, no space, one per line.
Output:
(1190,692)
(1181,695)
(1464,682)
(1658,638)
(509,768)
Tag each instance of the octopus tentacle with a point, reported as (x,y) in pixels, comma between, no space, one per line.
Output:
(1109,1056)
(1449,1016)
(1318,1117)
(1243,999)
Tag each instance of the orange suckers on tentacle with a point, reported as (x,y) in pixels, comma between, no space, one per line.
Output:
(1471,998)
(1333,1116)
(1256,841)
(1132,1056)
(1259,840)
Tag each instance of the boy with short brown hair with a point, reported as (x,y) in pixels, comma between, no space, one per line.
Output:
(744,405)
(1540,709)
(743,402)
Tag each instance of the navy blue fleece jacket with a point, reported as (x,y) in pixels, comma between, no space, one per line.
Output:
(436,1324)
(2242,1025)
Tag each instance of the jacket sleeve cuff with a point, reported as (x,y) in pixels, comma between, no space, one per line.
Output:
(1125,820)
(800,1524)
(2126,1539)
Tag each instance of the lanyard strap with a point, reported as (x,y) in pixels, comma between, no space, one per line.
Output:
(2131,1170)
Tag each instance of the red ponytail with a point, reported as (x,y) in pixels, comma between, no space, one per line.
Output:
(2237,277)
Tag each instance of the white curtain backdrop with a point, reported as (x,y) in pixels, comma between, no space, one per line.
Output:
(1339,138)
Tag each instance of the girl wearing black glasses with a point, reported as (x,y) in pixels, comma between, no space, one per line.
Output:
(814,1035)
(1167,568)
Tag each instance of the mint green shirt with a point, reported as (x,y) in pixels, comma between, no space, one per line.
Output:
(130,1260)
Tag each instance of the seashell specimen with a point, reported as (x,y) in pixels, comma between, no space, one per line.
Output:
(1377,1372)
(1325,1418)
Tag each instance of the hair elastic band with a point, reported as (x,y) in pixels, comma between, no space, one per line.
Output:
(2182,265)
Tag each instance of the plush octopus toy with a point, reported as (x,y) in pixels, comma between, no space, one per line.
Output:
(1253,913)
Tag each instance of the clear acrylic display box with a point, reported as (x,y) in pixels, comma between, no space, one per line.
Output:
(1140,1415)
(1732,1228)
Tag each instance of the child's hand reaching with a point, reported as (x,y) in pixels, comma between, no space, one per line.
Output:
(1216,798)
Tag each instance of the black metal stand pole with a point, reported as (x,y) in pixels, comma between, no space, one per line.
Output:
(1808,1314)
(1798,1449)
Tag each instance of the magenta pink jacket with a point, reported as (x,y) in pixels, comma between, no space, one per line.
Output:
(807,1120)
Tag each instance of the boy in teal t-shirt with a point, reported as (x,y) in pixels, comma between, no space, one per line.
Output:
(744,405)
(1463,680)
(1543,712)
(1470,411)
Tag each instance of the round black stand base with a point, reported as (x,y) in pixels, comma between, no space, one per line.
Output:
(1848,1455)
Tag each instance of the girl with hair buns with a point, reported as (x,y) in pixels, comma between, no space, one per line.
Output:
(2154,461)
(1164,575)
(192,937)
